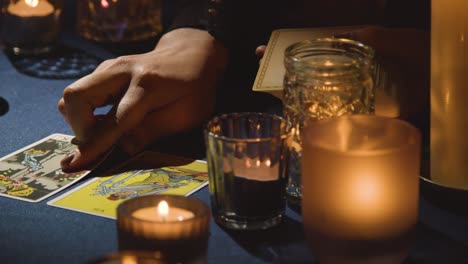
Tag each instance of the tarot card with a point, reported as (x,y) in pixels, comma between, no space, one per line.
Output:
(33,173)
(270,74)
(148,173)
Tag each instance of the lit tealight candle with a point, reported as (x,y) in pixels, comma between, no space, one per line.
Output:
(29,8)
(165,224)
(163,213)
(31,26)
(360,188)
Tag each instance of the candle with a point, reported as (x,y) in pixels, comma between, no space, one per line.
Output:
(163,213)
(166,224)
(31,26)
(30,8)
(361,180)
(449,54)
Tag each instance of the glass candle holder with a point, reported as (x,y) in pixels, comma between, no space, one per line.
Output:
(324,78)
(246,154)
(119,20)
(361,188)
(130,257)
(174,227)
(30,27)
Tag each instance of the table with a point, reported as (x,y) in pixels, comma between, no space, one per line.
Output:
(38,233)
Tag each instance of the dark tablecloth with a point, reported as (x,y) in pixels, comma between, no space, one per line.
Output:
(38,233)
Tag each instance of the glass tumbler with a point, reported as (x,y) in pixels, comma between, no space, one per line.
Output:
(360,188)
(30,27)
(246,154)
(119,20)
(324,78)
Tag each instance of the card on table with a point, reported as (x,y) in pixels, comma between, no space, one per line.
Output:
(270,74)
(33,173)
(142,175)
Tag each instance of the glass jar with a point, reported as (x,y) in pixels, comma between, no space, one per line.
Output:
(30,27)
(119,20)
(324,78)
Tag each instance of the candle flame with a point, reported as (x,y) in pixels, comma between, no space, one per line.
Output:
(367,191)
(104,3)
(32,3)
(163,208)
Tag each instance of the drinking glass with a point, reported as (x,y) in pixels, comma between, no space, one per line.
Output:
(246,155)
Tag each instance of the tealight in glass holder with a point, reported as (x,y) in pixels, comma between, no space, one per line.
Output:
(246,154)
(30,27)
(360,188)
(119,20)
(174,228)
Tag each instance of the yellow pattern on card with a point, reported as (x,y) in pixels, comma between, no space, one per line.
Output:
(101,196)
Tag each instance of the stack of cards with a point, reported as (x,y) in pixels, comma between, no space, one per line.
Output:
(33,174)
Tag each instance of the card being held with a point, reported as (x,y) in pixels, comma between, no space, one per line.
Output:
(270,74)
(33,173)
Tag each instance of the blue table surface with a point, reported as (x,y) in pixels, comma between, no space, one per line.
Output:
(38,233)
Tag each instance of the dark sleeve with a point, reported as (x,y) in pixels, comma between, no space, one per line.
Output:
(184,13)
(404,13)
(241,22)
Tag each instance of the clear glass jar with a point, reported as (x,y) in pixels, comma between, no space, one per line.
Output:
(119,20)
(30,27)
(324,78)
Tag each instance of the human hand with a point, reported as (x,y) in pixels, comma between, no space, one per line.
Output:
(165,91)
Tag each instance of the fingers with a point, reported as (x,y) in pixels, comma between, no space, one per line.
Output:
(174,117)
(90,151)
(81,98)
(260,50)
(125,115)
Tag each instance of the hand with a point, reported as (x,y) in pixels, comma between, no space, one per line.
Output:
(165,91)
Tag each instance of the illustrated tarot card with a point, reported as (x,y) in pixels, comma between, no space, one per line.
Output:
(101,195)
(270,74)
(33,173)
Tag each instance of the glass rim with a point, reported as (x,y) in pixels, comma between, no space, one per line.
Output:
(367,52)
(282,135)
(415,133)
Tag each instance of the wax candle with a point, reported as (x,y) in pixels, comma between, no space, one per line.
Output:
(361,183)
(29,8)
(163,212)
(31,26)
(449,122)
(166,224)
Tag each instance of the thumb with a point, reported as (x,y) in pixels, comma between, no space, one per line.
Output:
(260,50)
(90,152)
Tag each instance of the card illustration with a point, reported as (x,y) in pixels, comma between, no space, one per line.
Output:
(102,195)
(33,173)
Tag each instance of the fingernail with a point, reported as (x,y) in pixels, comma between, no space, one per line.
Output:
(66,162)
